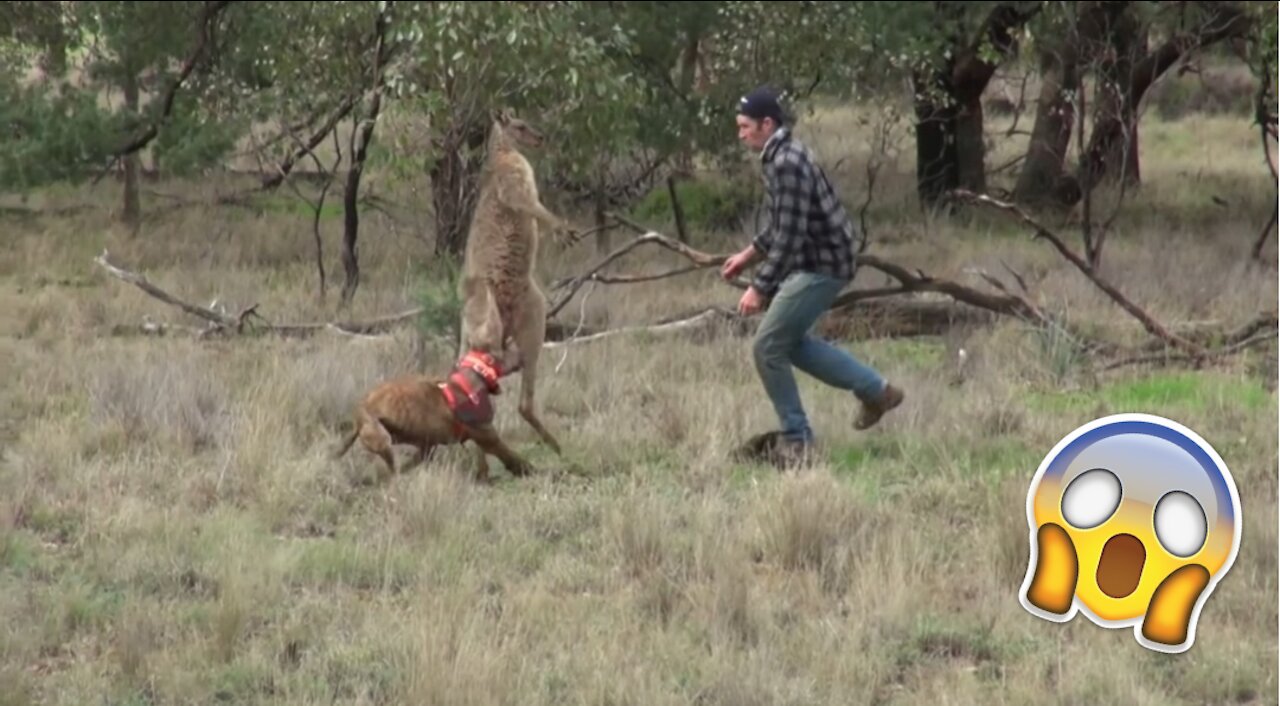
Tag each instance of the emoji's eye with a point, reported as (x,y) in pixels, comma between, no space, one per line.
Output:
(1180,524)
(1091,498)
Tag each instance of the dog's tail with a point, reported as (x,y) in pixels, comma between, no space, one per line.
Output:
(346,443)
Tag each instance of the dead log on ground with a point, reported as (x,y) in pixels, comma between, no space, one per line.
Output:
(248,318)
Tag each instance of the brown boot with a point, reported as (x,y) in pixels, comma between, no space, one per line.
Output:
(872,411)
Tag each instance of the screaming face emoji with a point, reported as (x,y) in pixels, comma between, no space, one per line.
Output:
(1134,519)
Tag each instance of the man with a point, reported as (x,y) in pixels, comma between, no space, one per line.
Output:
(808,254)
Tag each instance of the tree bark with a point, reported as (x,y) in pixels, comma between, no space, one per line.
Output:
(362,137)
(937,168)
(950,149)
(1116,123)
(1113,146)
(1044,179)
(454,180)
(132,213)
(1039,182)
(971,151)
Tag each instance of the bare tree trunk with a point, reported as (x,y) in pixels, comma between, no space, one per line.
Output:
(1116,123)
(688,68)
(363,134)
(936,161)
(603,239)
(454,180)
(950,150)
(1116,134)
(1042,170)
(132,214)
(971,151)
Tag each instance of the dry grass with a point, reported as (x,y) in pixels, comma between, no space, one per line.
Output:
(172,531)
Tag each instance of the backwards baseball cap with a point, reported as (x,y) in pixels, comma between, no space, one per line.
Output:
(763,102)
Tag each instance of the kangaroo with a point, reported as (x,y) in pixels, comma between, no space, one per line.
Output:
(500,255)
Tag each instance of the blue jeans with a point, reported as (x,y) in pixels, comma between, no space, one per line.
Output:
(783,340)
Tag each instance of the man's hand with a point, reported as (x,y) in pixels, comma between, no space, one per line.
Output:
(751,302)
(736,264)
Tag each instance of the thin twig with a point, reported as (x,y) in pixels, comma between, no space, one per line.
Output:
(582,320)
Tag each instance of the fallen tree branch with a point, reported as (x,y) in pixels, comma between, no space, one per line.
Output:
(222,323)
(877,313)
(1008,303)
(1148,322)
(1215,332)
(1171,357)
(141,283)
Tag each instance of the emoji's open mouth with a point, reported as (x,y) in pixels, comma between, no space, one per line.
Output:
(1121,565)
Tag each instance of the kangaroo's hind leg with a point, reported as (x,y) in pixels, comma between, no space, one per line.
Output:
(529,335)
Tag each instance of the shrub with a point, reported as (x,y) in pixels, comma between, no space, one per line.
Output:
(440,302)
(710,204)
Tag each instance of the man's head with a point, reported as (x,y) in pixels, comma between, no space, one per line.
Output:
(760,114)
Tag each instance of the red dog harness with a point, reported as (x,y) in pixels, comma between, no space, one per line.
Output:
(470,405)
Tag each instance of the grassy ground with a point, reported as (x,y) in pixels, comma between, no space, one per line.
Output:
(171,530)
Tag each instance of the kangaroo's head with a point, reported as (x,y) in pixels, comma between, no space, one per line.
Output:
(517,131)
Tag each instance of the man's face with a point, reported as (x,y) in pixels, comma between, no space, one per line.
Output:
(754,133)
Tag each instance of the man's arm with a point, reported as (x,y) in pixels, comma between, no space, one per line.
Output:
(788,220)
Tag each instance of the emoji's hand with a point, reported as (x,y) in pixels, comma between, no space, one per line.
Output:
(751,302)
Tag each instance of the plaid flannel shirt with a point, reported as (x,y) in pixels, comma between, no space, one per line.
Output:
(808,228)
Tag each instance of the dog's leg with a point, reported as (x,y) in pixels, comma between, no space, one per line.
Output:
(424,451)
(482,464)
(529,336)
(377,440)
(347,442)
(488,441)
